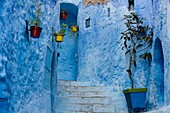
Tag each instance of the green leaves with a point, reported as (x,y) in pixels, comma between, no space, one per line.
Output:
(62,30)
(35,22)
(137,39)
(38,14)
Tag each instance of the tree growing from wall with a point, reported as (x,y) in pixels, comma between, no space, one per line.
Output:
(137,39)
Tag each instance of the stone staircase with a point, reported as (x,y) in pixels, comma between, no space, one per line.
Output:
(81,97)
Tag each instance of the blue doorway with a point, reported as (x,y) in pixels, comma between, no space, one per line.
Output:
(67,60)
(159,73)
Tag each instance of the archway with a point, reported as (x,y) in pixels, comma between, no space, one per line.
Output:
(67,61)
(159,73)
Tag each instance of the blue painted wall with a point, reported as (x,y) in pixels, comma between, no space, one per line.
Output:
(159,73)
(100,58)
(24,70)
(67,62)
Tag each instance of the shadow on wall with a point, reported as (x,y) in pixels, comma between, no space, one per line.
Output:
(159,73)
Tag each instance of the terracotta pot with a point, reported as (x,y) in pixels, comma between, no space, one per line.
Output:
(59,38)
(63,15)
(35,31)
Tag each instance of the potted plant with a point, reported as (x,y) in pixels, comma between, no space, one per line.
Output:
(35,29)
(60,35)
(63,14)
(137,40)
(74,30)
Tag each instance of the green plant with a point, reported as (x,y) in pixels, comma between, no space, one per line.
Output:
(62,30)
(137,39)
(38,14)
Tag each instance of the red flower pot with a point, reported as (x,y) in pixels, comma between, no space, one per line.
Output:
(35,31)
(63,15)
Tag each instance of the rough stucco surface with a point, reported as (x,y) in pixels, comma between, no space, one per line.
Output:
(160,30)
(25,65)
(67,62)
(101,59)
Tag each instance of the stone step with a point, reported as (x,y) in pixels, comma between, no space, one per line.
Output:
(81,97)
(82,100)
(72,83)
(88,94)
(90,100)
(86,108)
(92,108)
(85,112)
(85,88)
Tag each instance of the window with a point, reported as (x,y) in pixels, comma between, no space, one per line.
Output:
(87,22)
(131,4)
(108,12)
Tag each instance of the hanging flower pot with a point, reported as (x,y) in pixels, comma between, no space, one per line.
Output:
(59,37)
(35,31)
(63,15)
(74,29)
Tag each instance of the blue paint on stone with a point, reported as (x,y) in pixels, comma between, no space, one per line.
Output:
(67,62)
(25,65)
(159,73)
(100,59)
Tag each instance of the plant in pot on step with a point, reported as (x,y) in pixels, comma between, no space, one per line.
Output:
(60,35)
(74,30)
(137,40)
(35,29)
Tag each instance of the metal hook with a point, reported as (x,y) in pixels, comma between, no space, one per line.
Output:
(26,30)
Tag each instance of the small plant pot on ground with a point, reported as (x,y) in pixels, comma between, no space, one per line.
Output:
(35,31)
(59,37)
(136,99)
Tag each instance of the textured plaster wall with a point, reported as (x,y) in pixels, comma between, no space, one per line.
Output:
(67,62)
(26,77)
(101,59)
(160,26)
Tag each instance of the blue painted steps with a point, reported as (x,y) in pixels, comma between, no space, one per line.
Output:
(82,97)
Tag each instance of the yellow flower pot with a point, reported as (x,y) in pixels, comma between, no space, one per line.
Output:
(59,38)
(74,29)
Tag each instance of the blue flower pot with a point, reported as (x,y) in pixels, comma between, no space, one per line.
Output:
(136,99)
